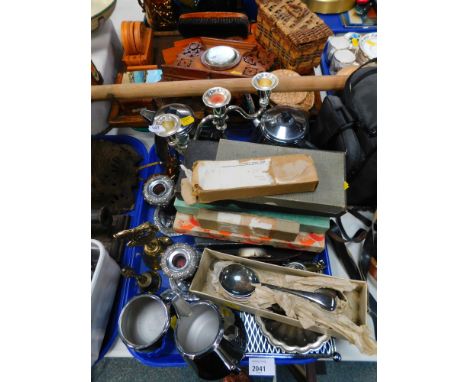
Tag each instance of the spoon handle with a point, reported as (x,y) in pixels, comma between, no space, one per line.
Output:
(325,301)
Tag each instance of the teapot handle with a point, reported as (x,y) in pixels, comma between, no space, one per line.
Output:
(227,361)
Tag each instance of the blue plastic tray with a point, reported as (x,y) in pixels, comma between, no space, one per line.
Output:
(170,357)
(334,23)
(324,64)
(135,218)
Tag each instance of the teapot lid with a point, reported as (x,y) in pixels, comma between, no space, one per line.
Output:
(284,124)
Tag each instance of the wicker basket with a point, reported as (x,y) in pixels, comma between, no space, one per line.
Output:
(292,32)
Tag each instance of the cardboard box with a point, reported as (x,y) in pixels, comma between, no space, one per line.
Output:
(248,224)
(307,223)
(203,288)
(250,177)
(196,150)
(328,199)
(189,225)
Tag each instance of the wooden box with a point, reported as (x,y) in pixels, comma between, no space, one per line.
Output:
(293,33)
(202,286)
(183,62)
(126,112)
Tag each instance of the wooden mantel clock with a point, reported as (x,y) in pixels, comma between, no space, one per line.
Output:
(207,57)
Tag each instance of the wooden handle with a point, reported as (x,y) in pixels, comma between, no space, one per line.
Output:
(198,87)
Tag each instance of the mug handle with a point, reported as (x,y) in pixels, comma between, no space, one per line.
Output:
(181,306)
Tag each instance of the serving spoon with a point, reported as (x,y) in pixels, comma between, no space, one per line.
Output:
(237,280)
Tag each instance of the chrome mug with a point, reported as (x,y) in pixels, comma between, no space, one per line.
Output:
(143,323)
(342,59)
(212,348)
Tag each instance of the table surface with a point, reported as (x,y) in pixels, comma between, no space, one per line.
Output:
(130,10)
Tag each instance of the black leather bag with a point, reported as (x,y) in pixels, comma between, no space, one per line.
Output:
(334,130)
(349,123)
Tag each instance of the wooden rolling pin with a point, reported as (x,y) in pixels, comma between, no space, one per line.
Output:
(198,87)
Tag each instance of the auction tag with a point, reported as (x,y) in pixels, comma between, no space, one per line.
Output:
(262,366)
(186,120)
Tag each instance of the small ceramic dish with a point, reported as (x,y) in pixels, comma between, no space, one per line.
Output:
(100,12)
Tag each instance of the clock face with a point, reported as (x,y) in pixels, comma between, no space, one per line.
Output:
(221,57)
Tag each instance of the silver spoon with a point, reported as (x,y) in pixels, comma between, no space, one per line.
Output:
(237,280)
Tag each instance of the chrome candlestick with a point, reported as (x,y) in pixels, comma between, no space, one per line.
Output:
(217,98)
(264,83)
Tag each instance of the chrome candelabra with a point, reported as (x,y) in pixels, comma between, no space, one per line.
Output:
(218,99)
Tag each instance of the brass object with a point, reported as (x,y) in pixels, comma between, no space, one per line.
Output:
(317,267)
(144,235)
(165,240)
(329,6)
(140,235)
(147,281)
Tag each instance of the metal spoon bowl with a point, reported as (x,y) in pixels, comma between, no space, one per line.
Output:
(237,280)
